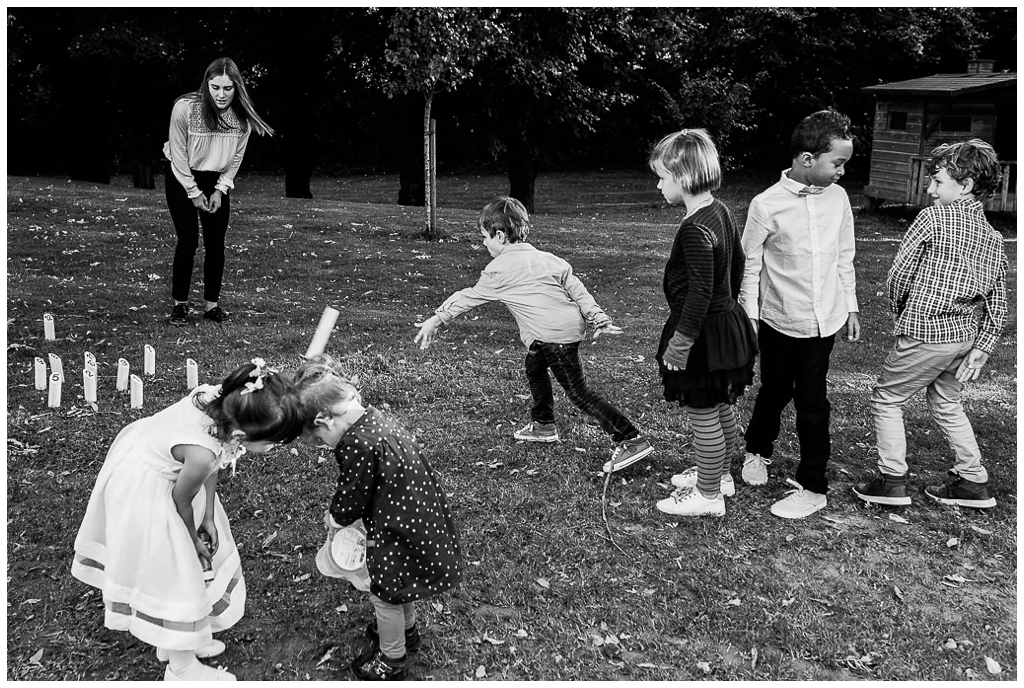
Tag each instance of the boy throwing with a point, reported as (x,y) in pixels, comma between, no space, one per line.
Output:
(951,263)
(552,308)
(800,290)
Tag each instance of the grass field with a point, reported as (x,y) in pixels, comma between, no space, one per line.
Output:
(564,581)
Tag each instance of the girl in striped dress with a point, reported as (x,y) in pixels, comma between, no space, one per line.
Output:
(155,539)
(708,345)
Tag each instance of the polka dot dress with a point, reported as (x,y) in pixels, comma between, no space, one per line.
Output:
(385,481)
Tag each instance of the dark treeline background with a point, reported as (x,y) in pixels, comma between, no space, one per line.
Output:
(90,90)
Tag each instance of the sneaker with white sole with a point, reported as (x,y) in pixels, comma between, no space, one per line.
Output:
(684,502)
(688,479)
(204,673)
(755,469)
(799,503)
(537,432)
(628,453)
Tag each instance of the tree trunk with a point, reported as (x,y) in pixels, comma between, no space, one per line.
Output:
(142,176)
(522,173)
(429,226)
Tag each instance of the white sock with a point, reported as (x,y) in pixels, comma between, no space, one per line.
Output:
(184,664)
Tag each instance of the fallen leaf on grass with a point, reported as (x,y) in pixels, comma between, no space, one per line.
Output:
(343,608)
(952,542)
(521,633)
(786,603)
(704,666)
(492,641)
(35,659)
(897,518)
(299,579)
(438,607)
(990,664)
(899,593)
(270,538)
(32,601)
(981,530)
(327,656)
(950,644)
(734,602)
(481,671)
(543,582)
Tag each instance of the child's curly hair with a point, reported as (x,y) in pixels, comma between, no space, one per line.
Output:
(508,215)
(262,403)
(815,132)
(971,159)
(322,383)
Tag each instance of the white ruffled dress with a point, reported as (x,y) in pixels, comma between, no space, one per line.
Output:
(134,547)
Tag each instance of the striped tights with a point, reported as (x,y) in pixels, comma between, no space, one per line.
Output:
(715,438)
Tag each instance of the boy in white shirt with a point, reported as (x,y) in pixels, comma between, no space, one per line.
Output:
(799,288)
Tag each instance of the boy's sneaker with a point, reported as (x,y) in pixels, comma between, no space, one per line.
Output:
(688,480)
(201,672)
(537,432)
(179,314)
(379,668)
(628,453)
(961,492)
(884,490)
(799,502)
(216,314)
(685,502)
(755,469)
(412,637)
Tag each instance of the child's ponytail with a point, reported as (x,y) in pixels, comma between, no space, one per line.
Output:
(259,401)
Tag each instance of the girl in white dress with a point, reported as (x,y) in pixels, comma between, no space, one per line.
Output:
(155,539)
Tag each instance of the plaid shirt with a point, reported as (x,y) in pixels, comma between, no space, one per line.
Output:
(950,262)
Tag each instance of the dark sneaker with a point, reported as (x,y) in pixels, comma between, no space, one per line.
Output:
(412,637)
(537,432)
(884,490)
(216,314)
(179,314)
(379,668)
(628,453)
(962,492)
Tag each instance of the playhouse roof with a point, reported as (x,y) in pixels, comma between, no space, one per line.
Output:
(946,85)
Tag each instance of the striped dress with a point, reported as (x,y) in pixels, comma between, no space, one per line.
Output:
(134,547)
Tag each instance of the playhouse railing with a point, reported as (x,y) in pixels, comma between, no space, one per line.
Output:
(1004,200)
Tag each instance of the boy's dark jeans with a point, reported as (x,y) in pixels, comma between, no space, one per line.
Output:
(564,362)
(187,220)
(794,369)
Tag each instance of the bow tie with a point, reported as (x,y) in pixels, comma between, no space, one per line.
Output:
(811,190)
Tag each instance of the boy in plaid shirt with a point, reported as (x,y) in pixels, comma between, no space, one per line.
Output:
(950,262)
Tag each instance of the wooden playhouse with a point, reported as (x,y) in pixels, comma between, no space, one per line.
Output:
(914,116)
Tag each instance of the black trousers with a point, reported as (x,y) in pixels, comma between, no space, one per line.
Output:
(794,369)
(563,360)
(187,219)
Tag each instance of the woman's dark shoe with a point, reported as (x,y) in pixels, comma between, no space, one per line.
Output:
(179,314)
(216,314)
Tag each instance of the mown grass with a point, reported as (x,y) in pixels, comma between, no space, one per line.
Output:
(552,591)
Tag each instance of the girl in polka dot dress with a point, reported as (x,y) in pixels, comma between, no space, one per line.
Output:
(412,547)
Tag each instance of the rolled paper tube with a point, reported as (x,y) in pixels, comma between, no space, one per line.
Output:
(56,381)
(40,374)
(191,374)
(149,364)
(48,327)
(136,394)
(89,385)
(323,332)
(122,375)
(56,366)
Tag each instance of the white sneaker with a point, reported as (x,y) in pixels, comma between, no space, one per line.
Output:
(755,469)
(688,480)
(799,502)
(684,502)
(204,673)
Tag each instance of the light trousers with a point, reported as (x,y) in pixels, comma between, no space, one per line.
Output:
(392,622)
(910,367)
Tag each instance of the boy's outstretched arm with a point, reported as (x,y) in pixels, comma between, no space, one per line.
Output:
(606,328)
(428,328)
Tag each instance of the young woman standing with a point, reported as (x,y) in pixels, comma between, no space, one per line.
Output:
(208,134)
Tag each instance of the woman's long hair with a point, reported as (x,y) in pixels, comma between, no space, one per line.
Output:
(241,105)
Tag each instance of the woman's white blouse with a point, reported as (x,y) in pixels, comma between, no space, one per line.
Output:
(191,145)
